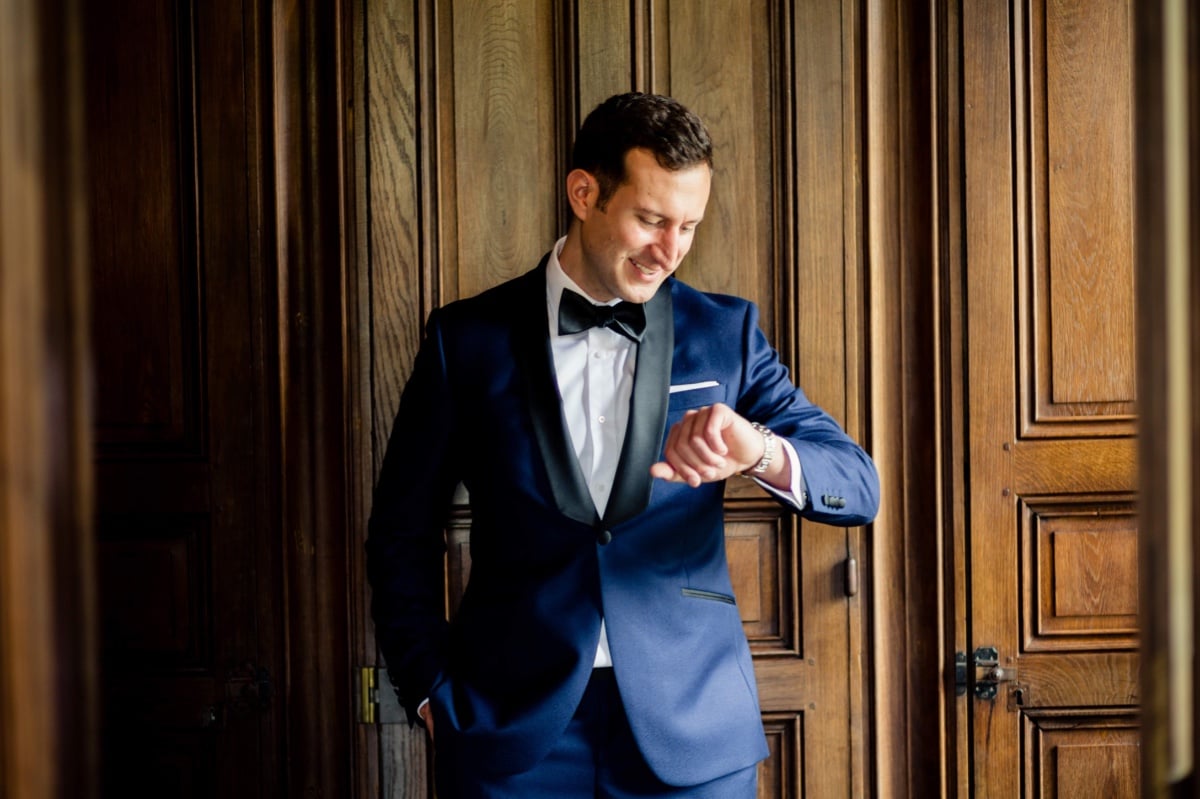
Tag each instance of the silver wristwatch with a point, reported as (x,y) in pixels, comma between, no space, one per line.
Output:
(768,448)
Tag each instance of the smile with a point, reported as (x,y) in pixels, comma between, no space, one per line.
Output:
(648,272)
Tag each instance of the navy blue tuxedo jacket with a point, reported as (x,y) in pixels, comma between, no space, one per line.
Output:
(482,408)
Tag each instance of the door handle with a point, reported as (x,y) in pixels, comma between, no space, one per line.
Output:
(988,672)
(245,691)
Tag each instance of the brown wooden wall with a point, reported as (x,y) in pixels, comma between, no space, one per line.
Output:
(931,202)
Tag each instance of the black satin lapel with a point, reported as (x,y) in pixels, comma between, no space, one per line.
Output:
(571,495)
(647,412)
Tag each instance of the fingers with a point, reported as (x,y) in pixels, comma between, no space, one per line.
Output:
(696,449)
(663,471)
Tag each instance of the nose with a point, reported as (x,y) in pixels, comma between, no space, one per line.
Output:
(668,242)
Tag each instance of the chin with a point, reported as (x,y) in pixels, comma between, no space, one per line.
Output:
(641,294)
(638,291)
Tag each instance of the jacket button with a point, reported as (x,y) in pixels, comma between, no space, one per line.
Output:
(603,537)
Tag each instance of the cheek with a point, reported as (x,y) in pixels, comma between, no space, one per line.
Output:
(628,240)
(636,236)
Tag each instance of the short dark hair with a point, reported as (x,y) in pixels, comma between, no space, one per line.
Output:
(662,125)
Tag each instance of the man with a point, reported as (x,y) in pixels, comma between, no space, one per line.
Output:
(593,409)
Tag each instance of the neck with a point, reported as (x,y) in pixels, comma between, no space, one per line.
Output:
(571,257)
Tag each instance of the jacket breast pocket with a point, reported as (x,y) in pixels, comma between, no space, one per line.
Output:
(688,398)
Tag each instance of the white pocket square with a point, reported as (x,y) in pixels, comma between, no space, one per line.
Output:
(693,386)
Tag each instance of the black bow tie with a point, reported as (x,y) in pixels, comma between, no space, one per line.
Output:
(576,314)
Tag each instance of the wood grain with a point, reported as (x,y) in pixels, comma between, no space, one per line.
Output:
(505,174)
(1053,467)
(1089,203)
(396,315)
(1080,370)
(1106,679)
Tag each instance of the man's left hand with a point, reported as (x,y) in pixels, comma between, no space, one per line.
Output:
(714,443)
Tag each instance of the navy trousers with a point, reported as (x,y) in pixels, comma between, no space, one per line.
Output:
(597,758)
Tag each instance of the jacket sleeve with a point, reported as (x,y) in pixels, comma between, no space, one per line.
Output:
(839,478)
(406,541)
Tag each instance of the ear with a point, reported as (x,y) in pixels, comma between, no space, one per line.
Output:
(582,191)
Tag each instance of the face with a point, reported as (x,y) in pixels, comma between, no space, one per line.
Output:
(628,248)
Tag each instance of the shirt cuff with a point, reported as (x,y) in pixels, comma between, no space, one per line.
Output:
(796,496)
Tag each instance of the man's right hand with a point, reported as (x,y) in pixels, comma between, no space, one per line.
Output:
(426,714)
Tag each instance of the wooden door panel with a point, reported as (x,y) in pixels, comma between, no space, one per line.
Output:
(1041,467)
(1079,574)
(152,550)
(1077,755)
(1081,680)
(759,544)
(782,770)
(156,606)
(142,180)
(183,497)
(1051,454)
(1080,218)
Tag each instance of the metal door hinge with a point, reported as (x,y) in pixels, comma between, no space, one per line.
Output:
(368,694)
(988,674)
(377,702)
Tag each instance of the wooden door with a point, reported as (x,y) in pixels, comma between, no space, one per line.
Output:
(1049,381)
(472,108)
(186,515)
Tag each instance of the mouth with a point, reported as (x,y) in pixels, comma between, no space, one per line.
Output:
(646,271)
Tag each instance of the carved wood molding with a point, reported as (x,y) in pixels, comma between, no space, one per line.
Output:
(910,259)
(309,99)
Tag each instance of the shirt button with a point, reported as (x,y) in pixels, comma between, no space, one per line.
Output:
(601,420)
